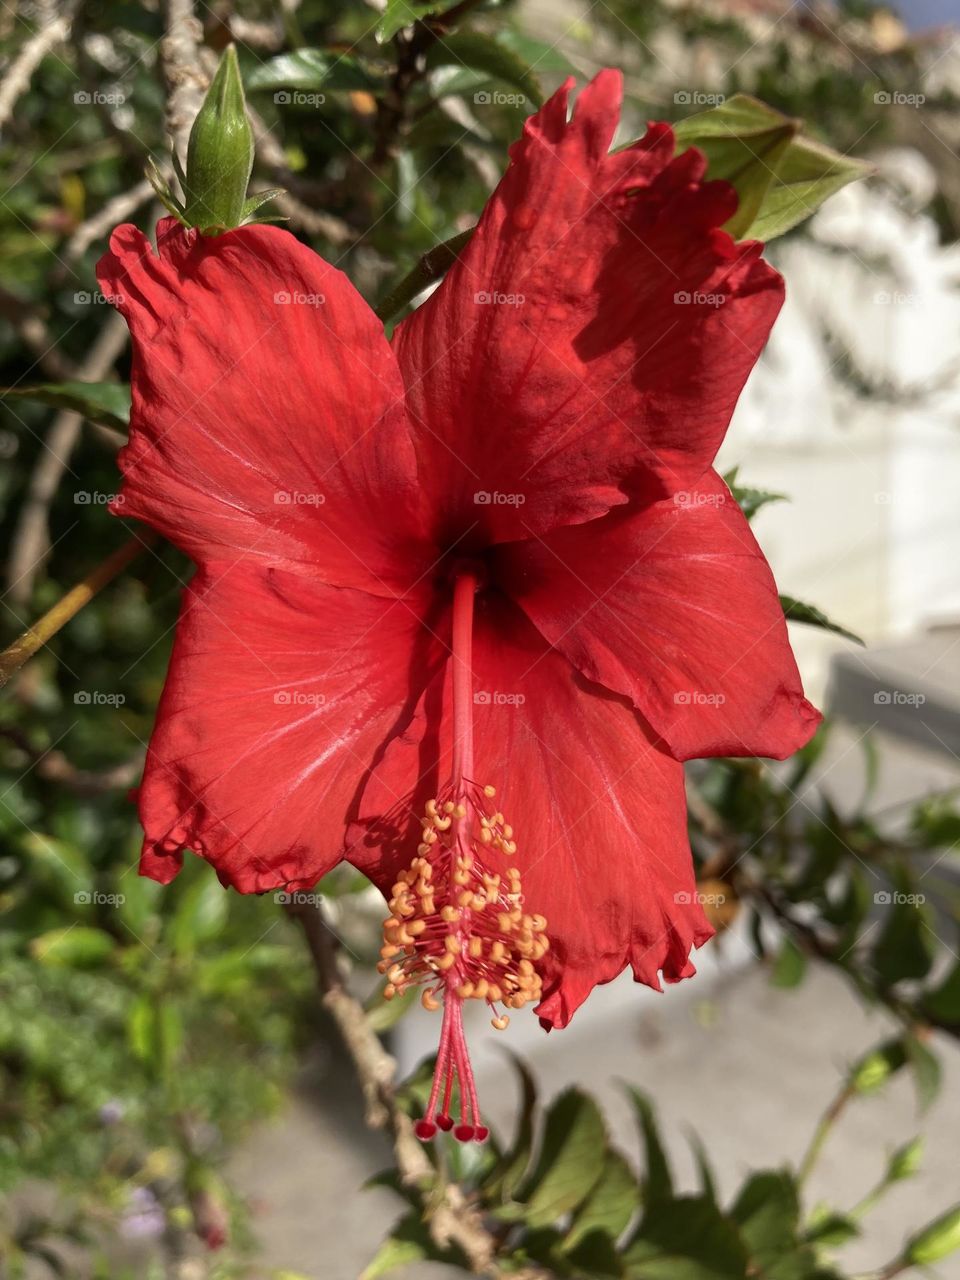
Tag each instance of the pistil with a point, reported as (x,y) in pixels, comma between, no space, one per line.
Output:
(458,926)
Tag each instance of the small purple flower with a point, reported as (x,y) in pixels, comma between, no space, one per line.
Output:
(144,1217)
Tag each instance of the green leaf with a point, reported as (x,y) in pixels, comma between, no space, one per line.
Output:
(404,13)
(780,176)
(310,69)
(571,1162)
(686,1239)
(408,1242)
(106,403)
(383,1014)
(750,500)
(537,54)
(610,1205)
(483,53)
(508,1174)
(902,949)
(831,1229)
(790,965)
(73,947)
(657,1181)
(200,915)
(927,1071)
(155,1031)
(797,611)
(768,1212)
(60,866)
(943,1003)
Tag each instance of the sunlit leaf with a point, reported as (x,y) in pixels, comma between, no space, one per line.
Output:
(106,403)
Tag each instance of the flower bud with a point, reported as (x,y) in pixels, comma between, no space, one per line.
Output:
(936,1241)
(219,153)
(905,1161)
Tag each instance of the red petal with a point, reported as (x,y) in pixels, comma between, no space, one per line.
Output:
(598,808)
(599,381)
(675,606)
(281,692)
(268,427)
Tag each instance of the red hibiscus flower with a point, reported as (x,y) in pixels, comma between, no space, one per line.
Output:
(487,564)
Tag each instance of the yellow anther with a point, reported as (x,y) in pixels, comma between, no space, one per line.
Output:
(461,811)
(446,961)
(451,944)
(481,988)
(389,991)
(416,927)
(465,990)
(449,807)
(507,831)
(501,1023)
(486,835)
(449,914)
(489,791)
(476,947)
(495,993)
(429,1001)
(442,824)
(430,808)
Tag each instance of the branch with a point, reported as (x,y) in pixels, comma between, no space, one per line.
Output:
(18,77)
(115,211)
(312,221)
(184,76)
(32,331)
(31,539)
(451,1219)
(45,628)
(428,270)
